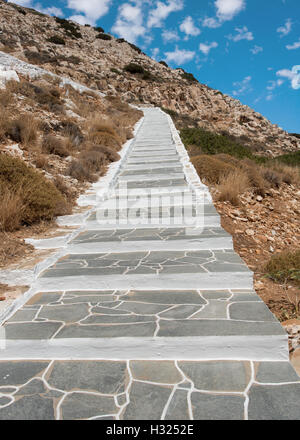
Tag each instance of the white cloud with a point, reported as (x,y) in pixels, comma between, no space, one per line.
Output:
(293,75)
(81,19)
(188,27)
(256,49)
(155,52)
(227,9)
(211,22)
(22,2)
(162,11)
(273,84)
(242,86)
(91,9)
(52,10)
(286,28)
(206,47)
(129,23)
(179,56)
(169,35)
(241,34)
(293,46)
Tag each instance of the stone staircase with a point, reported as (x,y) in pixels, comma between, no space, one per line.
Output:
(148,313)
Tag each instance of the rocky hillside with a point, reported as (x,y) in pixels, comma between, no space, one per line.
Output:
(113,66)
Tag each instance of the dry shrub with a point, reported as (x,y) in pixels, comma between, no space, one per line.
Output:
(255,176)
(111,155)
(289,175)
(95,160)
(6,98)
(72,132)
(211,169)
(4,123)
(41,161)
(80,170)
(39,197)
(24,129)
(102,132)
(54,145)
(273,177)
(232,185)
(285,267)
(11,209)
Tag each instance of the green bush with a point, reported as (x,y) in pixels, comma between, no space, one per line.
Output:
(189,77)
(99,29)
(105,37)
(56,39)
(134,68)
(163,63)
(291,159)
(212,143)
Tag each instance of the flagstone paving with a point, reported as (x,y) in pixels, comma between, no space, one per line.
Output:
(148,313)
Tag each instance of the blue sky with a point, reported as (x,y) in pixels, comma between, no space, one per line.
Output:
(249,49)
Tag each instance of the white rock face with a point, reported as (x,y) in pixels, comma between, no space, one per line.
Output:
(7,75)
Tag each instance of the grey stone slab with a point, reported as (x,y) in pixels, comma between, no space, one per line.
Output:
(216,309)
(218,375)
(36,386)
(280,402)
(107,331)
(44,298)
(114,319)
(246,297)
(109,311)
(92,299)
(251,311)
(141,308)
(4,400)
(225,267)
(31,330)
(164,372)
(165,297)
(23,315)
(147,401)
(180,312)
(19,372)
(276,372)
(178,408)
(212,327)
(80,406)
(105,377)
(217,407)
(29,408)
(66,313)
(216,294)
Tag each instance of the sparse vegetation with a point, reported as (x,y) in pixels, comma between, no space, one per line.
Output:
(103,36)
(284,267)
(163,63)
(57,39)
(134,68)
(71,29)
(189,77)
(231,185)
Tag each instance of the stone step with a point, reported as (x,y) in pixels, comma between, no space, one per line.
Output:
(154,176)
(205,269)
(167,239)
(145,325)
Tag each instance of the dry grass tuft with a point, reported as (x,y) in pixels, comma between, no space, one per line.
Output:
(80,170)
(24,129)
(11,209)
(53,145)
(211,169)
(232,185)
(284,267)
